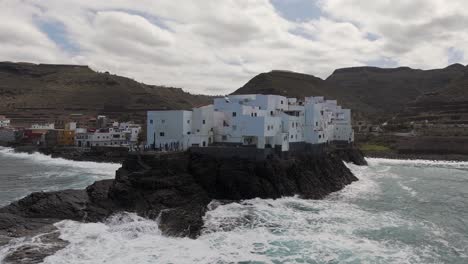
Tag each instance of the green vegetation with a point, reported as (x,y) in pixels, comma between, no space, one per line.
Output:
(371,147)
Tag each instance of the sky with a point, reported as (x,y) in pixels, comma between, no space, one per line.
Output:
(215,46)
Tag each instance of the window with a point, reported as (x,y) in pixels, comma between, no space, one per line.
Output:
(292,136)
(316,123)
(271,112)
(198,130)
(234,114)
(161,134)
(234,127)
(321,112)
(188,133)
(203,122)
(224,137)
(292,124)
(188,121)
(255,114)
(151,121)
(163,121)
(281,101)
(320,136)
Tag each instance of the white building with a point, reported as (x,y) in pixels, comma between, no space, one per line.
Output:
(263,121)
(4,122)
(43,126)
(119,135)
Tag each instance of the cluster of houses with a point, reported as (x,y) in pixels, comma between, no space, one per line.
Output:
(100,131)
(261,121)
(254,120)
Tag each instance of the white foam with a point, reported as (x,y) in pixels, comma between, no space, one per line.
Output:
(92,167)
(435,163)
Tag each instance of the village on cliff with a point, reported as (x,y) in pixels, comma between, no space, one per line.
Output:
(263,122)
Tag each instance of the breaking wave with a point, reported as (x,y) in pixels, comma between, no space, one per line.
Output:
(36,157)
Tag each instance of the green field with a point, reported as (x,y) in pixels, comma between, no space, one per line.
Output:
(371,147)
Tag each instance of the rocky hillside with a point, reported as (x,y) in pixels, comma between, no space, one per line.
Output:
(371,92)
(31,90)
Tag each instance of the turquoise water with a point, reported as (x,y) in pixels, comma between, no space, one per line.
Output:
(399,212)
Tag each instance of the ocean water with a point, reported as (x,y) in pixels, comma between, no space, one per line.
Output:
(399,212)
(22,173)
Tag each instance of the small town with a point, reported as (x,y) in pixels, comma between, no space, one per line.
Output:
(259,121)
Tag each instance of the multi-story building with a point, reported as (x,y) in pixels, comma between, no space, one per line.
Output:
(263,121)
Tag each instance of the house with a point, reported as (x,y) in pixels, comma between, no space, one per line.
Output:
(4,122)
(260,121)
(119,134)
(43,126)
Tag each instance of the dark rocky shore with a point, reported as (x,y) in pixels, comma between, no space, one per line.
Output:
(174,188)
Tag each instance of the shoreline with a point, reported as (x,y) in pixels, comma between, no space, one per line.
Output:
(108,155)
(429,157)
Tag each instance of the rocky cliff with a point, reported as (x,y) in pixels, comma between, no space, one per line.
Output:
(176,188)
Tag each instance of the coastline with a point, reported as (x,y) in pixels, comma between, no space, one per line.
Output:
(414,156)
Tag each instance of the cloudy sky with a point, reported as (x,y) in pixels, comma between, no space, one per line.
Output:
(215,46)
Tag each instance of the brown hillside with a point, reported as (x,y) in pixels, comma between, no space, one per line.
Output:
(30,90)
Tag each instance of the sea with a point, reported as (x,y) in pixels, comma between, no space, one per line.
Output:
(399,211)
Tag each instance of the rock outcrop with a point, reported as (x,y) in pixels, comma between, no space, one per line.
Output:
(175,189)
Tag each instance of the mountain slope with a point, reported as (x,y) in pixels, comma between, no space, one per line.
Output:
(48,90)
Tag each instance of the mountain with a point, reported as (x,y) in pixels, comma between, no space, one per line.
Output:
(41,91)
(446,105)
(373,93)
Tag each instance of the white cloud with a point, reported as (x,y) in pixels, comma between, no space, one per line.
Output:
(210,46)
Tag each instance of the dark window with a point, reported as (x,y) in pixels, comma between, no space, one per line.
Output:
(292,136)
(255,114)
(320,136)
(161,134)
(188,133)
(203,121)
(271,112)
(163,121)
(281,101)
(188,121)
(321,112)
(234,114)
(224,137)
(151,121)
(203,143)
(198,130)
(316,123)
